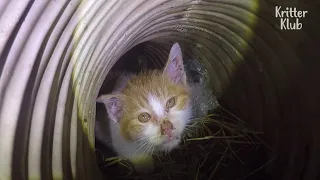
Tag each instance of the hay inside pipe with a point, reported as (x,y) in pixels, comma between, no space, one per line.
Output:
(218,146)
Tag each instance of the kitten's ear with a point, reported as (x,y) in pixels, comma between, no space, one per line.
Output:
(113,104)
(174,67)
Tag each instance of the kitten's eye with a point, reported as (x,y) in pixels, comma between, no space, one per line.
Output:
(171,102)
(144,117)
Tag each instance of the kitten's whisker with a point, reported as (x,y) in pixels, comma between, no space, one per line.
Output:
(153,146)
(141,146)
(146,150)
(141,139)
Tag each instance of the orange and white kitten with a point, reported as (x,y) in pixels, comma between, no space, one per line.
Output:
(148,112)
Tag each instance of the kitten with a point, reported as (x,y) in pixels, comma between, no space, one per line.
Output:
(148,112)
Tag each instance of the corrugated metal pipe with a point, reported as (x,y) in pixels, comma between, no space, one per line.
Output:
(55,54)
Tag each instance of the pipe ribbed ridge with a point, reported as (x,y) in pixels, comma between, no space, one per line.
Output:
(54,56)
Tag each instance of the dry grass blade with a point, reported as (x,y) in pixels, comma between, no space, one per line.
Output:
(218,164)
(214,137)
(274,158)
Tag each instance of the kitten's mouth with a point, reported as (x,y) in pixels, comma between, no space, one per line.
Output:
(171,138)
(170,144)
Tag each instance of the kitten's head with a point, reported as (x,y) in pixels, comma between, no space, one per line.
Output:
(154,107)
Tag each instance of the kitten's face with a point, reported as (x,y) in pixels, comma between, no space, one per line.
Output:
(155,110)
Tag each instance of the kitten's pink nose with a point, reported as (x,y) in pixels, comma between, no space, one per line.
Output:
(166,128)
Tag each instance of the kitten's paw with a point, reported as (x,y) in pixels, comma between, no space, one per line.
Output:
(143,164)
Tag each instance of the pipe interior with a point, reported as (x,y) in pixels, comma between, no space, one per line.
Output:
(252,67)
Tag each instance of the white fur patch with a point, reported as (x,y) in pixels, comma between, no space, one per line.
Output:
(180,119)
(151,132)
(156,105)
